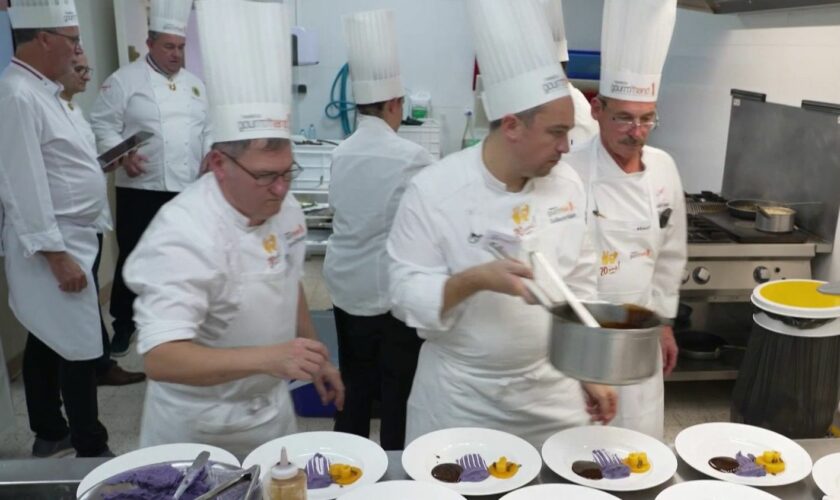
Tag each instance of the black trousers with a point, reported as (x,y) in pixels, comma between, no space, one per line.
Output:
(378,358)
(49,379)
(135,210)
(104,362)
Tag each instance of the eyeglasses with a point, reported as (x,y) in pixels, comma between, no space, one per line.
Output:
(626,125)
(83,71)
(77,41)
(268,179)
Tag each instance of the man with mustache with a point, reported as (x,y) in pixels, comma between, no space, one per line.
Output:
(154,94)
(636,211)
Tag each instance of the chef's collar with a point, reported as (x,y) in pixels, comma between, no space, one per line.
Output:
(613,168)
(490,180)
(158,68)
(227,210)
(38,77)
(376,122)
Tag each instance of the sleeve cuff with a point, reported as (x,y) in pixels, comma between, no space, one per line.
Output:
(47,241)
(151,336)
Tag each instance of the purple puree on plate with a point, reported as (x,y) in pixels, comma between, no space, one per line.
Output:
(747,466)
(157,482)
(611,465)
(475,468)
(318,472)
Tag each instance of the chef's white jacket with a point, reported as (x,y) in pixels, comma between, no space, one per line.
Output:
(585,126)
(368,176)
(51,176)
(614,203)
(137,97)
(485,362)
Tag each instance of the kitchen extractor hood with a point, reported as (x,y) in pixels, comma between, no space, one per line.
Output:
(735,6)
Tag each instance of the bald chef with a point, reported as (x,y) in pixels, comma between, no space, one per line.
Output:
(154,94)
(484,362)
(585,126)
(636,208)
(222,320)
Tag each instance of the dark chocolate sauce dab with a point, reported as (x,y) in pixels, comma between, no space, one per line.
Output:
(448,473)
(587,469)
(724,464)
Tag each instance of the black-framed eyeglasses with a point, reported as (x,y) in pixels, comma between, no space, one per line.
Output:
(83,71)
(267,179)
(77,40)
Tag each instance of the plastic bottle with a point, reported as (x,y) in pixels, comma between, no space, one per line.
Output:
(285,481)
(469,138)
(310,133)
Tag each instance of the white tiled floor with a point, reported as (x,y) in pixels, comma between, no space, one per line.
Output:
(686,403)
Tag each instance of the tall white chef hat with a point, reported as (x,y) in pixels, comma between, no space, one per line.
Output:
(170,16)
(516,55)
(43,14)
(248,71)
(372,51)
(634,42)
(554,14)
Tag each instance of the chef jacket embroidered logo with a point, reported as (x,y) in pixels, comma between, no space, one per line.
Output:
(641,253)
(561,213)
(270,246)
(522,218)
(296,235)
(609,263)
(196,92)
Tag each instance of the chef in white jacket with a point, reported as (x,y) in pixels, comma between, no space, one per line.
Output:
(222,320)
(108,372)
(585,126)
(485,359)
(53,195)
(636,210)
(154,94)
(377,351)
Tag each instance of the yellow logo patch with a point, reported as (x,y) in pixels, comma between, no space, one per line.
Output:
(270,244)
(521,214)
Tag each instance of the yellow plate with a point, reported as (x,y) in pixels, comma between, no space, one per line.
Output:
(799,298)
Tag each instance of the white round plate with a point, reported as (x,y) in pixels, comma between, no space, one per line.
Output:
(708,489)
(555,491)
(149,456)
(827,474)
(338,447)
(448,445)
(402,490)
(699,443)
(566,447)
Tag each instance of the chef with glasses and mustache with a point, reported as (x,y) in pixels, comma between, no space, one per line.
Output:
(636,208)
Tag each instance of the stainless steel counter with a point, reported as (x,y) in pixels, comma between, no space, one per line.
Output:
(56,479)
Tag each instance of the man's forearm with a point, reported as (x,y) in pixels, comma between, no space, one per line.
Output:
(185,362)
(457,289)
(305,329)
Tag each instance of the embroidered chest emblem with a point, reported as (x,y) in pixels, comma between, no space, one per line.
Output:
(172,86)
(270,244)
(609,263)
(196,92)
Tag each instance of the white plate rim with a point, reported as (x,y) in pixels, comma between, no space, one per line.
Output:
(681,445)
(522,477)
(436,489)
(559,488)
(371,473)
(741,488)
(152,455)
(821,477)
(555,464)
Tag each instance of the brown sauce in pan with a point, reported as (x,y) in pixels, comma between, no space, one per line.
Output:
(448,473)
(587,469)
(724,464)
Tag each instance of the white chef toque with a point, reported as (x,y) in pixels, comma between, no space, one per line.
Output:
(371,39)
(170,16)
(516,55)
(634,42)
(25,14)
(247,55)
(554,14)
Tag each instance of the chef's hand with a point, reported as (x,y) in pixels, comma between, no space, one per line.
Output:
(329,385)
(669,350)
(299,359)
(133,164)
(601,402)
(70,276)
(505,276)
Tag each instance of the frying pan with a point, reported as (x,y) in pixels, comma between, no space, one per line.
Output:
(695,344)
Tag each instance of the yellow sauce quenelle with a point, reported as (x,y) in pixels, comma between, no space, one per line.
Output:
(503,469)
(344,474)
(771,461)
(638,462)
(799,294)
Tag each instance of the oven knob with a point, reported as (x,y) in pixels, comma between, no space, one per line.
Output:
(702,275)
(761,274)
